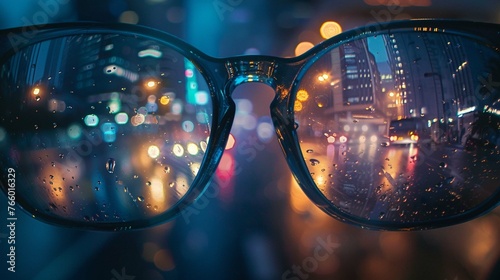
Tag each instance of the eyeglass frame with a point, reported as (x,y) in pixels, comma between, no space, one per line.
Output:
(283,75)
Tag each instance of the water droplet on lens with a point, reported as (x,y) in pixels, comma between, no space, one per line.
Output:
(86,218)
(381,215)
(314,161)
(110,165)
(37,98)
(96,189)
(443,165)
(172,184)
(148,183)
(295,126)
(321,100)
(309,151)
(71,188)
(167,169)
(140,198)
(450,180)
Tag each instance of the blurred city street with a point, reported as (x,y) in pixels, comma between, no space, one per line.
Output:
(256,223)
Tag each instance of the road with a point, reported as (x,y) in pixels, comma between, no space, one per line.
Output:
(402,183)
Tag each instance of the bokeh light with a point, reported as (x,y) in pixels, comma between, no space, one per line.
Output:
(303,47)
(130,17)
(329,29)
(153,151)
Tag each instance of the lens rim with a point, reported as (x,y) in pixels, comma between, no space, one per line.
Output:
(485,33)
(223,114)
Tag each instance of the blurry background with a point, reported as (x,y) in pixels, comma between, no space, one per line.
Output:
(259,225)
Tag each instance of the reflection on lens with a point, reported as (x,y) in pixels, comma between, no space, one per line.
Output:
(99,126)
(405,125)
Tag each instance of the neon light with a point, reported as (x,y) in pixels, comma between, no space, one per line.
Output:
(150,53)
(466,110)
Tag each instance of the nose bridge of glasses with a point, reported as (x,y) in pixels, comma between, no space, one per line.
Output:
(250,70)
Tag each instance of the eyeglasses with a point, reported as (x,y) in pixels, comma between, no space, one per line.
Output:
(393,126)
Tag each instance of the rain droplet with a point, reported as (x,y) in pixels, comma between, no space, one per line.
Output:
(148,183)
(96,189)
(37,98)
(61,156)
(167,169)
(443,165)
(110,165)
(140,198)
(309,151)
(450,180)
(295,126)
(71,188)
(381,215)
(321,100)
(314,161)
(172,184)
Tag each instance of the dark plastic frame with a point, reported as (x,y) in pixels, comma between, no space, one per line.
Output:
(283,75)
